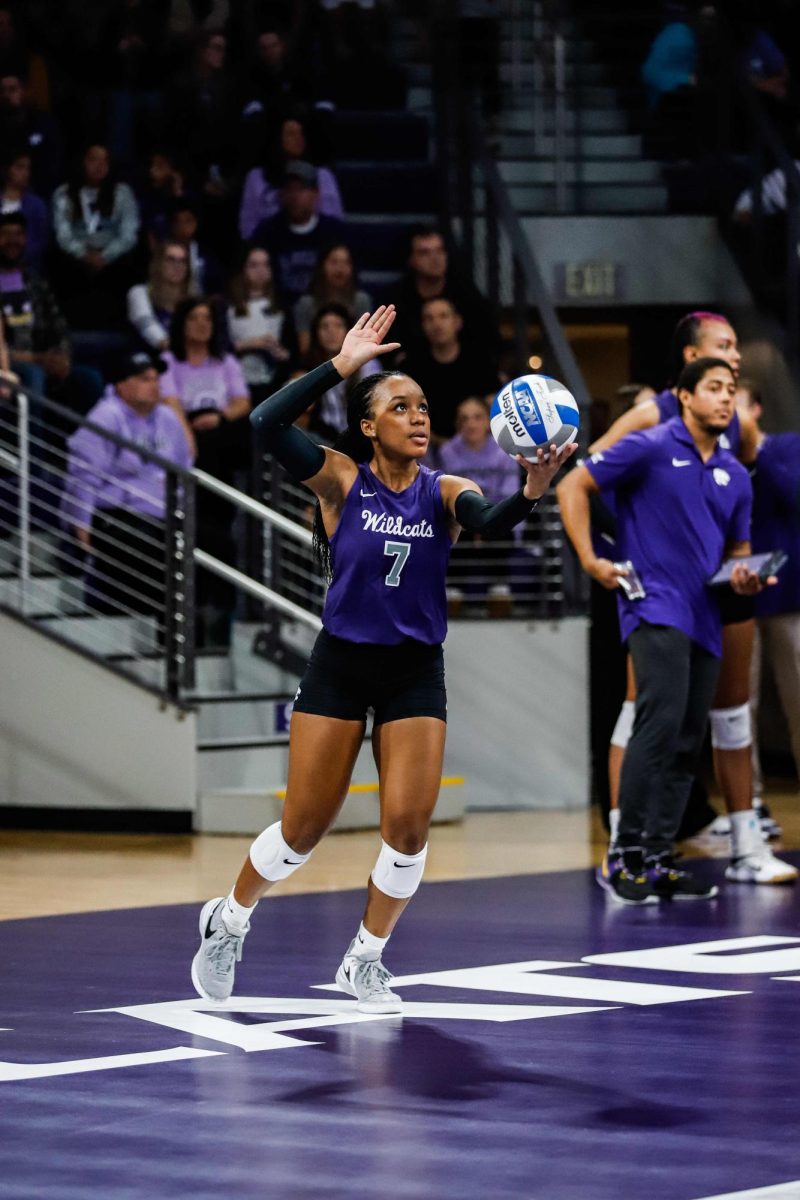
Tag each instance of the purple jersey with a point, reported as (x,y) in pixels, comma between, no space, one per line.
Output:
(669,407)
(390,553)
(675,516)
(776,519)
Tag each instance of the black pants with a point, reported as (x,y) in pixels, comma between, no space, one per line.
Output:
(128,571)
(675,681)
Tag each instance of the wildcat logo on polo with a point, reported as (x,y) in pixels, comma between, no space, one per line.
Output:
(721,477)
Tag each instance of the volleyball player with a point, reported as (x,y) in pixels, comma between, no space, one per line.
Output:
(699,335)
(385,525)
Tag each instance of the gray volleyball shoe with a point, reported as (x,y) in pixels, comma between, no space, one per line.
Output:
(369,981)
(214,965)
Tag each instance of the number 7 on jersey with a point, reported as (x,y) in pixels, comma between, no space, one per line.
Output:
(400,551)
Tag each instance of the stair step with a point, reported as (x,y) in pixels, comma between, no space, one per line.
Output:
(586,171)
(595,198)
(588,120)
(524,145)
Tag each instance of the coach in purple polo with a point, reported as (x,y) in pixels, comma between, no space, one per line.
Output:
(684,505)
(114,498)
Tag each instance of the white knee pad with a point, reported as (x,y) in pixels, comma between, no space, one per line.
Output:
(624,726)
(273,857)
(731,728)
(398,875)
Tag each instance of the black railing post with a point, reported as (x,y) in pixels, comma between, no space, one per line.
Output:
(492,246)
(179,591)
(521,343)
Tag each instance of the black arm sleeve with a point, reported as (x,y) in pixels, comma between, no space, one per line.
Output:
(478,515)
(273,421)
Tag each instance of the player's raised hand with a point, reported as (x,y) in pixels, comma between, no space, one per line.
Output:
(365,340)
(542,469)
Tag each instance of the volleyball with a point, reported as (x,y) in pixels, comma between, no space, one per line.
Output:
(534,411)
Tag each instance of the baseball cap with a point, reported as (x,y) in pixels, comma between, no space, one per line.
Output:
(304,171)
(136,363)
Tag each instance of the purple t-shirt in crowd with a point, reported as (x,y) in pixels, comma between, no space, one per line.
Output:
(675,516)
(390,553)
(494,471)
(776,519)
(212,384)
(669,406)
(102,475)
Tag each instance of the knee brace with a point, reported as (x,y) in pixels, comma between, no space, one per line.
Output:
(624,726)
(731,728)
(273,857)
(398,875)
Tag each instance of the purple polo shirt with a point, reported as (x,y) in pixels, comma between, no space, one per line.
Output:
(103,475)
(669,406)
(776,519)
(675,517)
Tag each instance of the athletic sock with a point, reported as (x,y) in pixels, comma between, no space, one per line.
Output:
(236,915)
(613,828)
(367,945)
(745,834)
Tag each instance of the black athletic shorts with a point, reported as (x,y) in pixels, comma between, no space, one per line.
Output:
(345,679)
(734,608)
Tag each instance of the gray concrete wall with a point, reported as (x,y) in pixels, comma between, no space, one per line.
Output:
(518,712)
(73,735)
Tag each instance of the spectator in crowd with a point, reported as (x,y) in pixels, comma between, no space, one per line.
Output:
(448,367)
(334,282)
(96,223)
(261,195)
(670,75)
(130,53)
(208,387)
(272,87)
(776,526)
(261,331)
(16,196)
(205,273)
(113,503)
(773,194)
(23,126)
(201,113)
(151,305)
(430,276)
(476,564)
(164,188)
(297,234)
(328,416)
(35,328)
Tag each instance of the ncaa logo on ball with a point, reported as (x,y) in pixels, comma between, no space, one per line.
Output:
(532,412)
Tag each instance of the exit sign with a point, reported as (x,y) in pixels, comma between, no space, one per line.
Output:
(588,282)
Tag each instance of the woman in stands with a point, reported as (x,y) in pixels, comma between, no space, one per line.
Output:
(96,224)
(334,282)
(260,327)
(327,417)
(384,525)
(151,305)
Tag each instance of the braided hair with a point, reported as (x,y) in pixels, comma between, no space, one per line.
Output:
(355,445)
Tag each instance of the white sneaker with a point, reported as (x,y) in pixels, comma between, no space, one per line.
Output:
(761,867)
(368,980)
(214,965)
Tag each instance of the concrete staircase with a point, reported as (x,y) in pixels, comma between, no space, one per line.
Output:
(604,168)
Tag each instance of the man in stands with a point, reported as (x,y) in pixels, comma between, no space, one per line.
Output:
(36,331)
(297,234)
(114,499)
(430,276)
(447,367)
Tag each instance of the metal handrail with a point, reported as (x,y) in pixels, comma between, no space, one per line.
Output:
(181,485)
